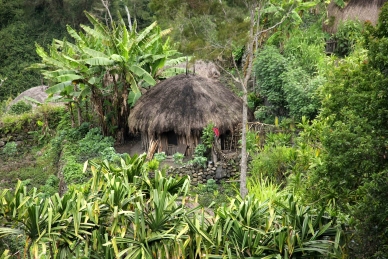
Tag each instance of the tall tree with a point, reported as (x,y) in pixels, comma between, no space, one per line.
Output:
(265,16)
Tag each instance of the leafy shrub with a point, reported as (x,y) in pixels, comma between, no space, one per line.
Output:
(254,100)
(269,65)
(200,150)
(371,236)
(265,190)
(160,157)
(274,163)
(51,185)
(305,49)
(208,135)
(278,139)
(10,148)
(347,35)
(80,132)
(178,158)
(3,105)
(199,159)
(92,143)
(109,153)
(72,171)
(211,185)
(252,142)
(340,3)
(20,108)
(153,165)
(300,89)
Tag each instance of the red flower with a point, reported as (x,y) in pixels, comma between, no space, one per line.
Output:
(216,132)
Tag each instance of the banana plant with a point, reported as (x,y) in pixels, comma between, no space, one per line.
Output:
(107,66)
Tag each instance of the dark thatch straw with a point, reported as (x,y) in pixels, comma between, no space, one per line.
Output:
(185,104)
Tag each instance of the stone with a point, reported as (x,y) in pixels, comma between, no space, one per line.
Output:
(220,173)
(2,143)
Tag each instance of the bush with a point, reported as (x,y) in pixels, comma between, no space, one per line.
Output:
(109,153)
(371,229)
(300,89)
(72,171)
(51,185)
(93,142)
(152,165)
(160,157)
(268,67)
(347,35)
(208,135)
(20,108)
(199,159)
(273,163)
(278,139)
(178,158)
(10,148)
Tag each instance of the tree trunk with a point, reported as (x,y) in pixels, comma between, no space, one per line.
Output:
(248,72)
(79,113)
(244,158)
(71,115)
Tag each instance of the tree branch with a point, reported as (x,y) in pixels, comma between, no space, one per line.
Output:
(106,5)
(129,18)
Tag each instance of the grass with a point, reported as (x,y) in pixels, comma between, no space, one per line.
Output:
(215,194)
(25,165)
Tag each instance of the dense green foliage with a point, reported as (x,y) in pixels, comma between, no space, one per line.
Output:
(106,68)
(347,36)
(47,20)
(204,27)
(317,183)
(121,213)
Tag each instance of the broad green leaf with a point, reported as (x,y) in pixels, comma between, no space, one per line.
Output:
(271,9)
(133,97)
(68,77)
(94,53)
(74,34)
(306,5)
(140,72)
(118,58)
(145,32)
(100,61)
(32,100)
(58,87)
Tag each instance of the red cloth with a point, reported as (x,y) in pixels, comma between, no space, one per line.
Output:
(216,132)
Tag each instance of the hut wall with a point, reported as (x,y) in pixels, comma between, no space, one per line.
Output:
(163,144)
(171,149)
(229,142)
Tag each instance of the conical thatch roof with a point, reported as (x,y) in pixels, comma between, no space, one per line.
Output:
(38,93)
(185,104)
(362,10)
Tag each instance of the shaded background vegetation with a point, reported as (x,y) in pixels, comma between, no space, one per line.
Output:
(331,111)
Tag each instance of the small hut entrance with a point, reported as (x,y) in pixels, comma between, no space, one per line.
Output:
(172,142)
(172,138)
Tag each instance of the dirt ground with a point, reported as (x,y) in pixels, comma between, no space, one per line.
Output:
(130,148)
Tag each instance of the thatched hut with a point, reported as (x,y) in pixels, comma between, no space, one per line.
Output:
(176,110)
(37,93)
(362,10)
